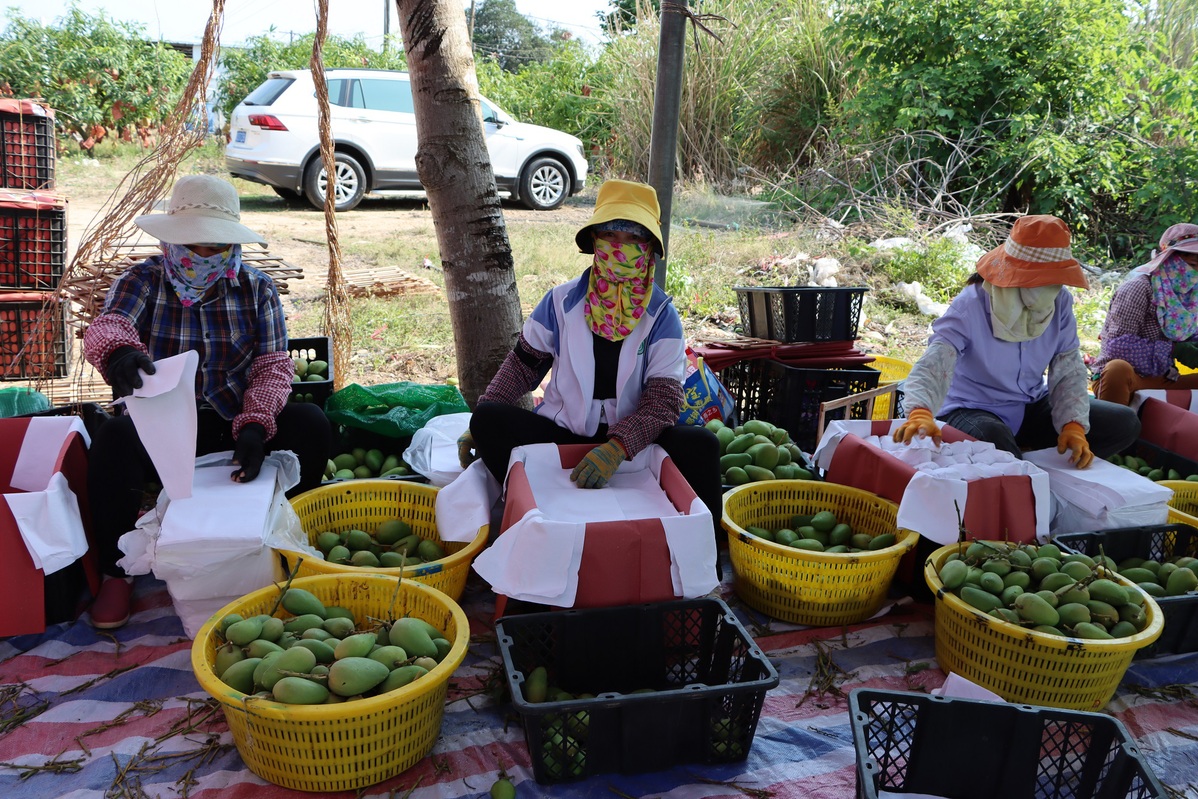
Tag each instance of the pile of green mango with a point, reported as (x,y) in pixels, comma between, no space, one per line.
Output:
(1045,590)
(319,655)
(308,372)
(1143,467)
(392,545)
(360,463)
(1175,577)
(823,532)
(757,450)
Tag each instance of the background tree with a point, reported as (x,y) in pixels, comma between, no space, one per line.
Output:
(510,38)
(623,13)
(455,170)
(96,74)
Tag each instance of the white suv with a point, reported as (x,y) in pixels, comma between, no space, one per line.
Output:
(273,139)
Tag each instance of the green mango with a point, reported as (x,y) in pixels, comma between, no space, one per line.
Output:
(300,602)
(240,675)
(412,635)
(353,676)
(299,691)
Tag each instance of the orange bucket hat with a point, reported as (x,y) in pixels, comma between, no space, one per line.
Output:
(1036,253)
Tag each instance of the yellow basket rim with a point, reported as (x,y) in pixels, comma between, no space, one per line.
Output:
(281,711)
(465,554)
(904,539)
(1191,486)
(1156,620)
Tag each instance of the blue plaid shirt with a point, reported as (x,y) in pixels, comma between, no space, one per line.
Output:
(241,320)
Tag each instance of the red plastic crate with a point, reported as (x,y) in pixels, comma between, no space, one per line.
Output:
(33,240)
(26,145)
(33,336)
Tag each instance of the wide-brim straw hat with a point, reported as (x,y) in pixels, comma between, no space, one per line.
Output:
(1036,253)
(1182,237)
(203,209)
(624,199)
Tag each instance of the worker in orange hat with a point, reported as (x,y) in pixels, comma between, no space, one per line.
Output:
(984,371)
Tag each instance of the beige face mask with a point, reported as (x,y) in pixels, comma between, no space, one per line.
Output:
(1020,314)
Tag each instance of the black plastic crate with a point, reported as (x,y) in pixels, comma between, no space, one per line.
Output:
(33,338)
(1160,458)
(317,348)
(33,242)
(911,742)
(701,680)
(1157,543)
(92,414)
(790,396)
(27,152)
(346,438)
(800,313)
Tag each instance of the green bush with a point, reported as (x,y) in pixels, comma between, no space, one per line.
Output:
(938,266)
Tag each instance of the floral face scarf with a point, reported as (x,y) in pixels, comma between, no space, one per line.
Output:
(1175,290)
(620,287)
(192,275)
(1020,314)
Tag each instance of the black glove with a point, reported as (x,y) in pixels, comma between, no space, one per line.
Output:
(125,366)
(1186,353)
(250,452)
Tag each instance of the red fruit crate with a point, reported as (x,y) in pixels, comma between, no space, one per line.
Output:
(26,145)
(33,336)
(33,241)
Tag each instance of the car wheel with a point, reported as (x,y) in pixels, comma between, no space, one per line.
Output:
(544,185)
(349,187)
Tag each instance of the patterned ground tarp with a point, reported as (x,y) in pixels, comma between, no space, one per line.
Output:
(87,715)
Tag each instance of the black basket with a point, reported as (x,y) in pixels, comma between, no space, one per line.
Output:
(796,314)
(33,246)
(790,396)
(910,742)
(1161,458)
(92,414)
(317,348)
(33,339)
(1157,543)
(26,152)
(704,677)
(346,438)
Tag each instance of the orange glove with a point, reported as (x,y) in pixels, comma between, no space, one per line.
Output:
(1073,438)
(594,470)
(919,422)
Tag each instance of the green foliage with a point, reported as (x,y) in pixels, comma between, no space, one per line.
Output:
(752,98)
(506,36)
(623,13)
(557,93)
(92,71)
(244,68)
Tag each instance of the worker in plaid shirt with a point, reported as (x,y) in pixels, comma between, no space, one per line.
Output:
(197,295)
(1152,323)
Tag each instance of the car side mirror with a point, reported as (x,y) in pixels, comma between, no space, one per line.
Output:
(494,120)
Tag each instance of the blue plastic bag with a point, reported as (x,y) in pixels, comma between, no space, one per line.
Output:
(704,397)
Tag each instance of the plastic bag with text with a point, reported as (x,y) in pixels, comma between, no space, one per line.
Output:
(704,397)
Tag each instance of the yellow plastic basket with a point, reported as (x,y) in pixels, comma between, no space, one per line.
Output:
(364,504)
(351,745)
(893,370)
(815,588)
(1184,499)
(1022,665)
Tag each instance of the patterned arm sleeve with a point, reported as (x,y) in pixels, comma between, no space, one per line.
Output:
(658,408)
(521,371)
(271,369)
(105,335)
(1067,381)
(927,385)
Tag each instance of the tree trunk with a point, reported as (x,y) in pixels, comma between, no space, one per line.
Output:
(455,169)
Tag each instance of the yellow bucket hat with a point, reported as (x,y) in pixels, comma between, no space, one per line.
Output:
(624,199)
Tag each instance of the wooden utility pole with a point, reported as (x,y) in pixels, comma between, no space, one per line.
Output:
(667,101)
(471,23)
(386,22)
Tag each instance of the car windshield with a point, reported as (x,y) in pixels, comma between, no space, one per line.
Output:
(268,92)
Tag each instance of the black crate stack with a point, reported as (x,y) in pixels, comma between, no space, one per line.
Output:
(33,246)
(804,355)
